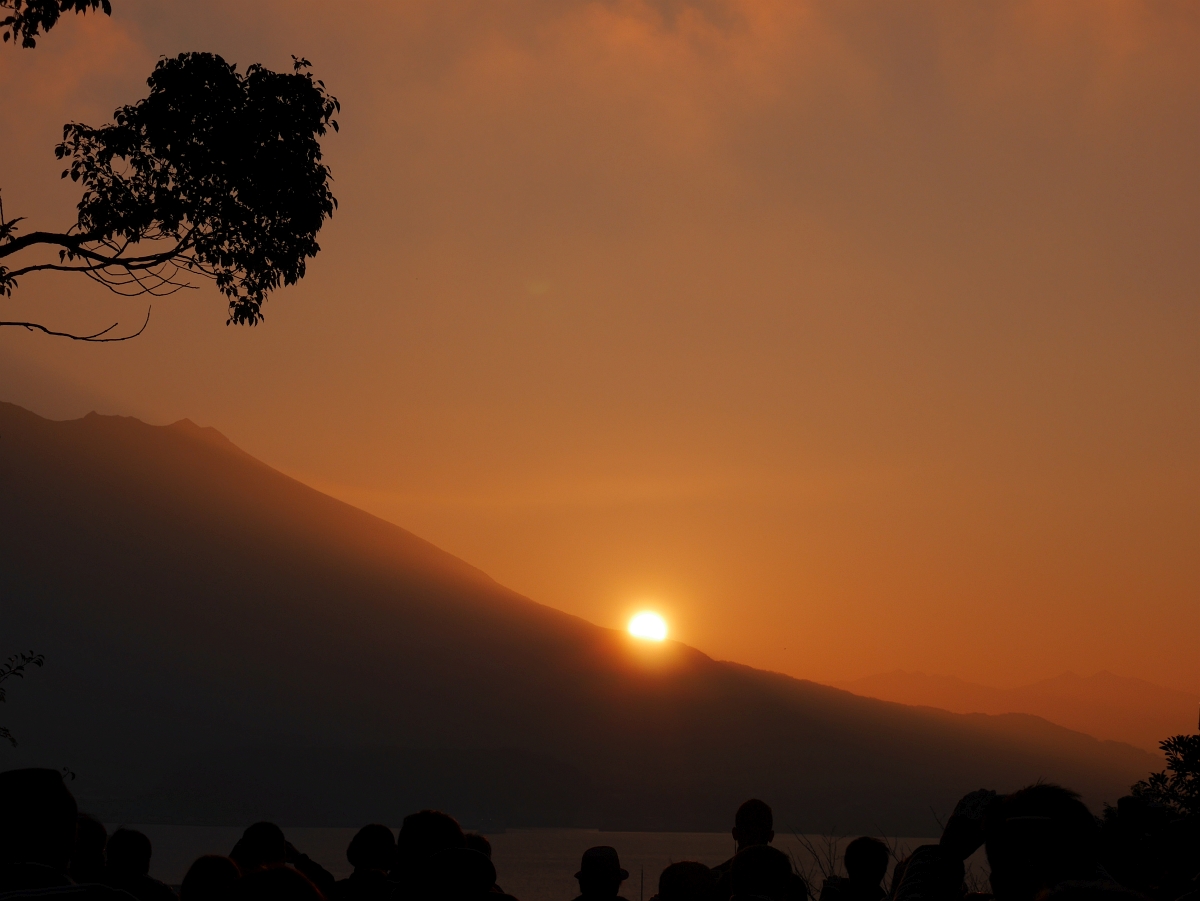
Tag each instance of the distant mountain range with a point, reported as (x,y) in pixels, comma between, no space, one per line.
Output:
(225,644)
(1105,706)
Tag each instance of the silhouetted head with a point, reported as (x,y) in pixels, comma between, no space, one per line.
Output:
(866,860)
(210,878)
(129,853)
(600,874)
(372,848)
(686,880)
(87,857)
(762,871)
(276,883)
(37,818)
(422,835)
(1038,837)
(429,831)
(461,874)
(754,824)
(261,845)
(480,843)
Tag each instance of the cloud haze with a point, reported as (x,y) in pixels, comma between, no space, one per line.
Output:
(859,336)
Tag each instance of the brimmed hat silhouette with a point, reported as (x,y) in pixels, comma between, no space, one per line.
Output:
(601,861)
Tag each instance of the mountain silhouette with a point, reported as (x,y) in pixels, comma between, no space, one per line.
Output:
(225,644)
(1103,705)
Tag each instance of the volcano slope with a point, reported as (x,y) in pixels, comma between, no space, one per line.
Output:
(225,644)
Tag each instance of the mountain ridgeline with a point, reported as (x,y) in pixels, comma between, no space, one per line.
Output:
(224,644)
(1103,705)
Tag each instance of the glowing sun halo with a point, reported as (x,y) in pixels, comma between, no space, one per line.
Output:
(648,626)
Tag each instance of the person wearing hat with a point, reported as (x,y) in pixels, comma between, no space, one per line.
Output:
(600,875)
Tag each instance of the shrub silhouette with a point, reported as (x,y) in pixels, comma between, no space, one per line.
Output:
(1176,788)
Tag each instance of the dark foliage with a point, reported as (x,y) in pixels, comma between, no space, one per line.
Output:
(1177,788)
(216,173)
(1148,848)
(14,668)
(1151,839)
(28,18)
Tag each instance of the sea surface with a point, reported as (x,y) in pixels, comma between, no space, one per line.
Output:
(532,864)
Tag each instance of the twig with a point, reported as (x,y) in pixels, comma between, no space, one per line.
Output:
(92,339)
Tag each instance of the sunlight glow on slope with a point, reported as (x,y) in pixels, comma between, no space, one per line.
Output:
(648,626)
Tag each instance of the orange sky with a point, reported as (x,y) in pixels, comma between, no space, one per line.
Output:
(859,336)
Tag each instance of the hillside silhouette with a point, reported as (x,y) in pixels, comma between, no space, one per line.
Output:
(224,644)
(1103,705)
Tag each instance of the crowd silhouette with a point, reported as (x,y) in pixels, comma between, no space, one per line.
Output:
(1041,844)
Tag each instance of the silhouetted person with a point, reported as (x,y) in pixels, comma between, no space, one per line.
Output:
(128,867)
(753,825)
(423,835)
(600,875)
(686,880)
(210,878)
(462,874)
(37,835)
(480,843)
(1147,847)
(37,829)
(1037,839)
(935,872)
(263,846)
(371,852)
(866,861)
(761,871)
(276,883)
(87,858)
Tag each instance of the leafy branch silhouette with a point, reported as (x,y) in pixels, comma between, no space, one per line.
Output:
(216,174)
(29,17)
(1178,786)
(14,668)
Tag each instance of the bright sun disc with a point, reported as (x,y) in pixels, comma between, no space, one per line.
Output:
(649,626)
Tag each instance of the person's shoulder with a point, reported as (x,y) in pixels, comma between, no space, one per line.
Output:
(158,889)
(23,877)
(831,888)
(72,892)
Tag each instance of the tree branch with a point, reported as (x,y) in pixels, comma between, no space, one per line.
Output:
(126,265)
(97,338)
(56,238)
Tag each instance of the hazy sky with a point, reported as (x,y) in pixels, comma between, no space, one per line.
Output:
(850,336)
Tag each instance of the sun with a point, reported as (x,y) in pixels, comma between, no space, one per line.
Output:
(648,626)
